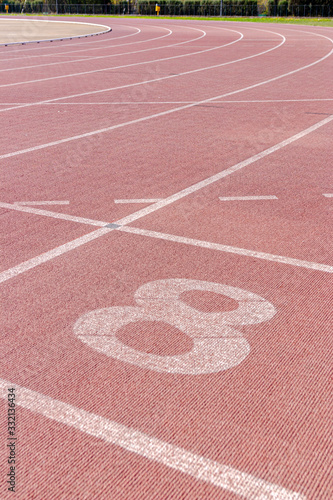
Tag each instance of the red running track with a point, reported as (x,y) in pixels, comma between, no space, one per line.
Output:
(167,263)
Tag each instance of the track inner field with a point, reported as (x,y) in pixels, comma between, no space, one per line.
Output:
(146,306)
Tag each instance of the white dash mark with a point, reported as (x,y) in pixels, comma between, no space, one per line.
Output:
(328,195)
(247,198)
(145,200)
(156,450)
(41,203)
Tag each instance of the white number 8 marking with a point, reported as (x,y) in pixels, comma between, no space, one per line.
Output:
(217,345)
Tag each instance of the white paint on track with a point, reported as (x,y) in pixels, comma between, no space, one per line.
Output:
(25,266)
(247,198)
(165,113)
(328,195)
(54,215)
(69,44)
(229,249)
(55,202)
(139,200)
(141,63)
(212,99)
(107,45)
(156,450)
(55,252)
(220,175)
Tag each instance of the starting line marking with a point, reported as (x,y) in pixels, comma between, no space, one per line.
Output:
(246,198)
(201,468)
(146,200)
(36,261)
(229,249)
(41,203)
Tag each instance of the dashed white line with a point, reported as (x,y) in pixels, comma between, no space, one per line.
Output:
(328,195)
(156,450)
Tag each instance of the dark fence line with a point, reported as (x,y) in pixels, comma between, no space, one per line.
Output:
(205,8)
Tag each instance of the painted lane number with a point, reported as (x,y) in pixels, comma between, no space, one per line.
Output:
(217,344)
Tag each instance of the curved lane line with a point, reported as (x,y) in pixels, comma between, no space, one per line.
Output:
(111,68)
(112,55)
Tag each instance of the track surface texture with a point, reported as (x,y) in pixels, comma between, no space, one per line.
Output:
(166,273)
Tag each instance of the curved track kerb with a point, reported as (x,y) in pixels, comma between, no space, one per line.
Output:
(55,38)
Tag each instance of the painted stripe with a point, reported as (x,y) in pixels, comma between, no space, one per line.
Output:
(229,249)
(111,68)
(25,266)
(149,117)
(247,198)
(139,200)
(107,44)
(23,42)
(156,450)
(175,76)
(220,175)
(41,202)
(328,195)
(191,72)
(55,252)
(55,215)
(111,55)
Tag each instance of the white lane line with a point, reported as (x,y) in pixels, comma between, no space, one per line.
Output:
(190,72)
(55,202)
(111,68)
(247,198)
(25,266)
(55,252)
(149,117)
(220,175)
(55,215)
(328,195)
(40,48)
(139,200)
(85,50)
(166,78)
(156,450)
(83,35)
(134,103)
(110,55)
(229,249)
